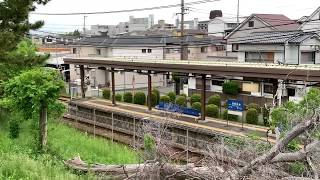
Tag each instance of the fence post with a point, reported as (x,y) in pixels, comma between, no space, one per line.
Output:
(112,126)
(134,132)
(94,123)
(187,146)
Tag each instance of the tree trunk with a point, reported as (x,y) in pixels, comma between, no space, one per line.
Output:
(43,125)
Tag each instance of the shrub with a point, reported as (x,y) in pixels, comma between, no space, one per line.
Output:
(212,111)
(184,95)
(165,99)
(157,93)
(231,88)
(128,97)
(181,101)
(229,117)
(139,98)
(254,106)
(195,98)
(14,129)
(106,93)
(297,168)
(265,113)
(118,97)
(172,96)
(154,99)
(252,116)
(215,99)
(196,106)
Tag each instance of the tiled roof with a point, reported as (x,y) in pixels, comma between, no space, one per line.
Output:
(279,21)
(274,37)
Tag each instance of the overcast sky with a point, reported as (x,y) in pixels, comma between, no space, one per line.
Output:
(294,9)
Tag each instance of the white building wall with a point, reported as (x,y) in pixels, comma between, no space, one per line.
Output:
(241,56)
(215,27)
(136,52)
(192,83)
(292,54)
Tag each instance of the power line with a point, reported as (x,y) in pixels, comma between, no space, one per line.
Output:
(125,11)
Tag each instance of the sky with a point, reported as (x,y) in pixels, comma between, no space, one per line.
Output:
(294,9)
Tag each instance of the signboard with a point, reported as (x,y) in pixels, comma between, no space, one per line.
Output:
(235,105)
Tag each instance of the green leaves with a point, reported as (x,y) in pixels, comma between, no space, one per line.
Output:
(33,88)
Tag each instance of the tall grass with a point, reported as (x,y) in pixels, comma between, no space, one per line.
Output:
(19,158)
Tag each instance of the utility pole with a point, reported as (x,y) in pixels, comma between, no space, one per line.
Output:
(238,12)
(183,50)
(84,25)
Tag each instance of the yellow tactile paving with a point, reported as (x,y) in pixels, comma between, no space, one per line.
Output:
(176,121)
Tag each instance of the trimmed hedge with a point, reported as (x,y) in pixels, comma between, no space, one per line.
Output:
(165,99)
(106,93)
(195,98)
(157,93)
(154,99)
(184,95)
(118,97)
(196,106)
(254,106)
(215,99)
(181,101)
(172,96)
(139,98)
(212,111)
(231,88)
(229,117)
(128,97)
(252,116)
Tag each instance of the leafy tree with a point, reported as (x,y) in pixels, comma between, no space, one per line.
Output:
(33,92)
(231,88)
(195,98)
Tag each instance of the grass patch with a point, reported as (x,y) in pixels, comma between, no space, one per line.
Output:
(19,158)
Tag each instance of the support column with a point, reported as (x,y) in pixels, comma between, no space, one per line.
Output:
(203,97)
(83,92)
(149,91)
(113,84)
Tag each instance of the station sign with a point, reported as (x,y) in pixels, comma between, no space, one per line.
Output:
(235,107)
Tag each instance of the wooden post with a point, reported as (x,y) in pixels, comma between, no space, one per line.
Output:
(43,125)
(113,87)
(203,97)
(149,91)
(83,92)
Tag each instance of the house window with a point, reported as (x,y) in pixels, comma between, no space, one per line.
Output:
(251,23)
(74,50)
(149,50)
(235,47)
(217,83)
(98,51)
(144,50)
(204,50)
(308,57)
(220,48)
(268,88)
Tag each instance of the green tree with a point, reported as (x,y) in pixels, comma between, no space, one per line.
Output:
(33,92)
(231,88)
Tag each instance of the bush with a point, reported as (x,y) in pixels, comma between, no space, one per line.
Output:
(172,96)
(196,106)
(165,99)
(14,129)
(157,93)
(231,88)
(118,97)
(215,99)
(297,168)
(154,99)
(212,111)
(265,113)
(106,93)
(139,98)
(184,95)
(254,106)
(128,97)
(252,116)
(229,117)
(195,98)
(181,101)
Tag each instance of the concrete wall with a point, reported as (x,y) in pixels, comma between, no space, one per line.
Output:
(215,27)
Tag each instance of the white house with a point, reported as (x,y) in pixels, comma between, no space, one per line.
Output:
(312,23)
(220,26)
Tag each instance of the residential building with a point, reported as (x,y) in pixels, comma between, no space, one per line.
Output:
(192,24)
(312,22)
(259,23)
(140,24)
(109,30)
(203,25)
(162,25)
(221,26)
